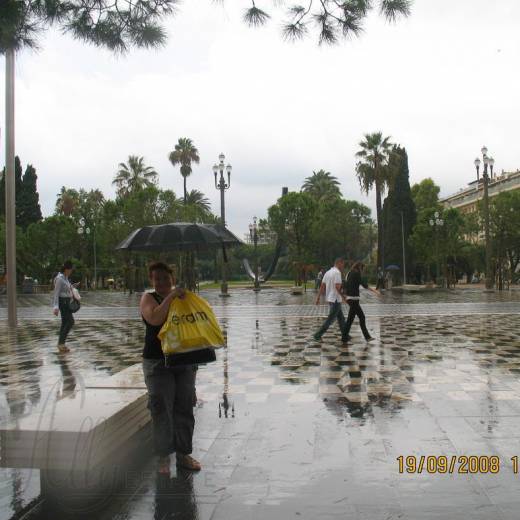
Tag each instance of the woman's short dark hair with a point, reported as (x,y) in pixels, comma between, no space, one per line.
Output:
(159,266)
(357,266)
(66,265)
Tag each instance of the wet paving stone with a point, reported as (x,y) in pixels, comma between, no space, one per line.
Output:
(290,428)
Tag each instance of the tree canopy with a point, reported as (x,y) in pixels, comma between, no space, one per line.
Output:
(322,186)
(134,176)
(122,24)
(399,213)
(115,24)
(332,19)
(425,194)
(505,230)
(27,203)
(317,225)
(373,172)
(184,154)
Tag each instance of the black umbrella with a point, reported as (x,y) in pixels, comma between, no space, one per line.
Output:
(228,238)
(179,236)
(393,267)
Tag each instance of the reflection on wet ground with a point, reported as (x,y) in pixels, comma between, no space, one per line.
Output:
(284,297)
(290,428)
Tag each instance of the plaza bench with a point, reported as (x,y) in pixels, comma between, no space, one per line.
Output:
(84,442)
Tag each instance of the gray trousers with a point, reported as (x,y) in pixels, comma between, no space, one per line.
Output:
(67,320)
(170,401)
(335,313)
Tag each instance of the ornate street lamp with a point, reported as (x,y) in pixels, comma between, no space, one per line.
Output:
(488,161)
(222,186)
(437,223)
(84,230)
(253,232)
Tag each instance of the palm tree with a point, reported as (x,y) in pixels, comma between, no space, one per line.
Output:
(67,201)
(372,172)
(198,200)
(184,154)
(134,175)
(197,208)
(322,185)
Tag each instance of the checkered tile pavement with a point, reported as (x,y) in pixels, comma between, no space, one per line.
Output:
(268,356)
(442,365)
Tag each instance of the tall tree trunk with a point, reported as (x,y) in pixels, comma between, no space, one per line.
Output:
(513,264)
(380,242)
(185,193)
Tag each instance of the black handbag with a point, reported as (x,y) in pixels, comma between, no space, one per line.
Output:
(195,357)
(74,305)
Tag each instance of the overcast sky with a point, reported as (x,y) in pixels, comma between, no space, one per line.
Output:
(441,83)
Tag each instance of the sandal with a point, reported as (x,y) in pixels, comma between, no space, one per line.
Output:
(163,466)
(63,349)
(188,462)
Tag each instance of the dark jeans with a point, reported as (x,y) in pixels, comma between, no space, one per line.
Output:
(67,320)
(170,401)
(356,310)
(335,312)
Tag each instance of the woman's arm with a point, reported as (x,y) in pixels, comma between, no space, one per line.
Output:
(156,313)
(365,285)
(58,283)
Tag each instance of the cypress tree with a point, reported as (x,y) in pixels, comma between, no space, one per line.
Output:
(27,200)
(18,185)
(399,200)
(2,196)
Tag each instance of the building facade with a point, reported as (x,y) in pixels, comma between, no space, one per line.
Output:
(265,237)
(466,199)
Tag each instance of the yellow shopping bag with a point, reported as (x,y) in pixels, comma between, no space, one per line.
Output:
(191,325)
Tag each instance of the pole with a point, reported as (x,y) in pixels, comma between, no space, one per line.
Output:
(224,286)
(255,237)
(404,253)
(437,254)
(10,195)
(95,260)
(489,279)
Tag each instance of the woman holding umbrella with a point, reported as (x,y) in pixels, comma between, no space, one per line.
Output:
(170,389)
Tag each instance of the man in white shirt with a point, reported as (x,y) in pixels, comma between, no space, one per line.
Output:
(331,288)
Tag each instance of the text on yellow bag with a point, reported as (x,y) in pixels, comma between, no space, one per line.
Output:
(191,325)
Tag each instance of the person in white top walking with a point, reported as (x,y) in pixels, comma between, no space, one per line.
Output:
(61,302)
(331,288)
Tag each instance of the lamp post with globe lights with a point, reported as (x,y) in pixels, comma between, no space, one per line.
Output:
(253,232)
(437,223)
(488,162)
(222,186)
(83,229)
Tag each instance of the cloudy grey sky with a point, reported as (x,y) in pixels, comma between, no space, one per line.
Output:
(441,83)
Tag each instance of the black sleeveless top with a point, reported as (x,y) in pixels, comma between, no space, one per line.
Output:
(152,346)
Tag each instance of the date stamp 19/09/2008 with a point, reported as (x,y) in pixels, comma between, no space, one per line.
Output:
(454,464)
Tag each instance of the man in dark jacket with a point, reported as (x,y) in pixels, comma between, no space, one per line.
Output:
(351,289)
